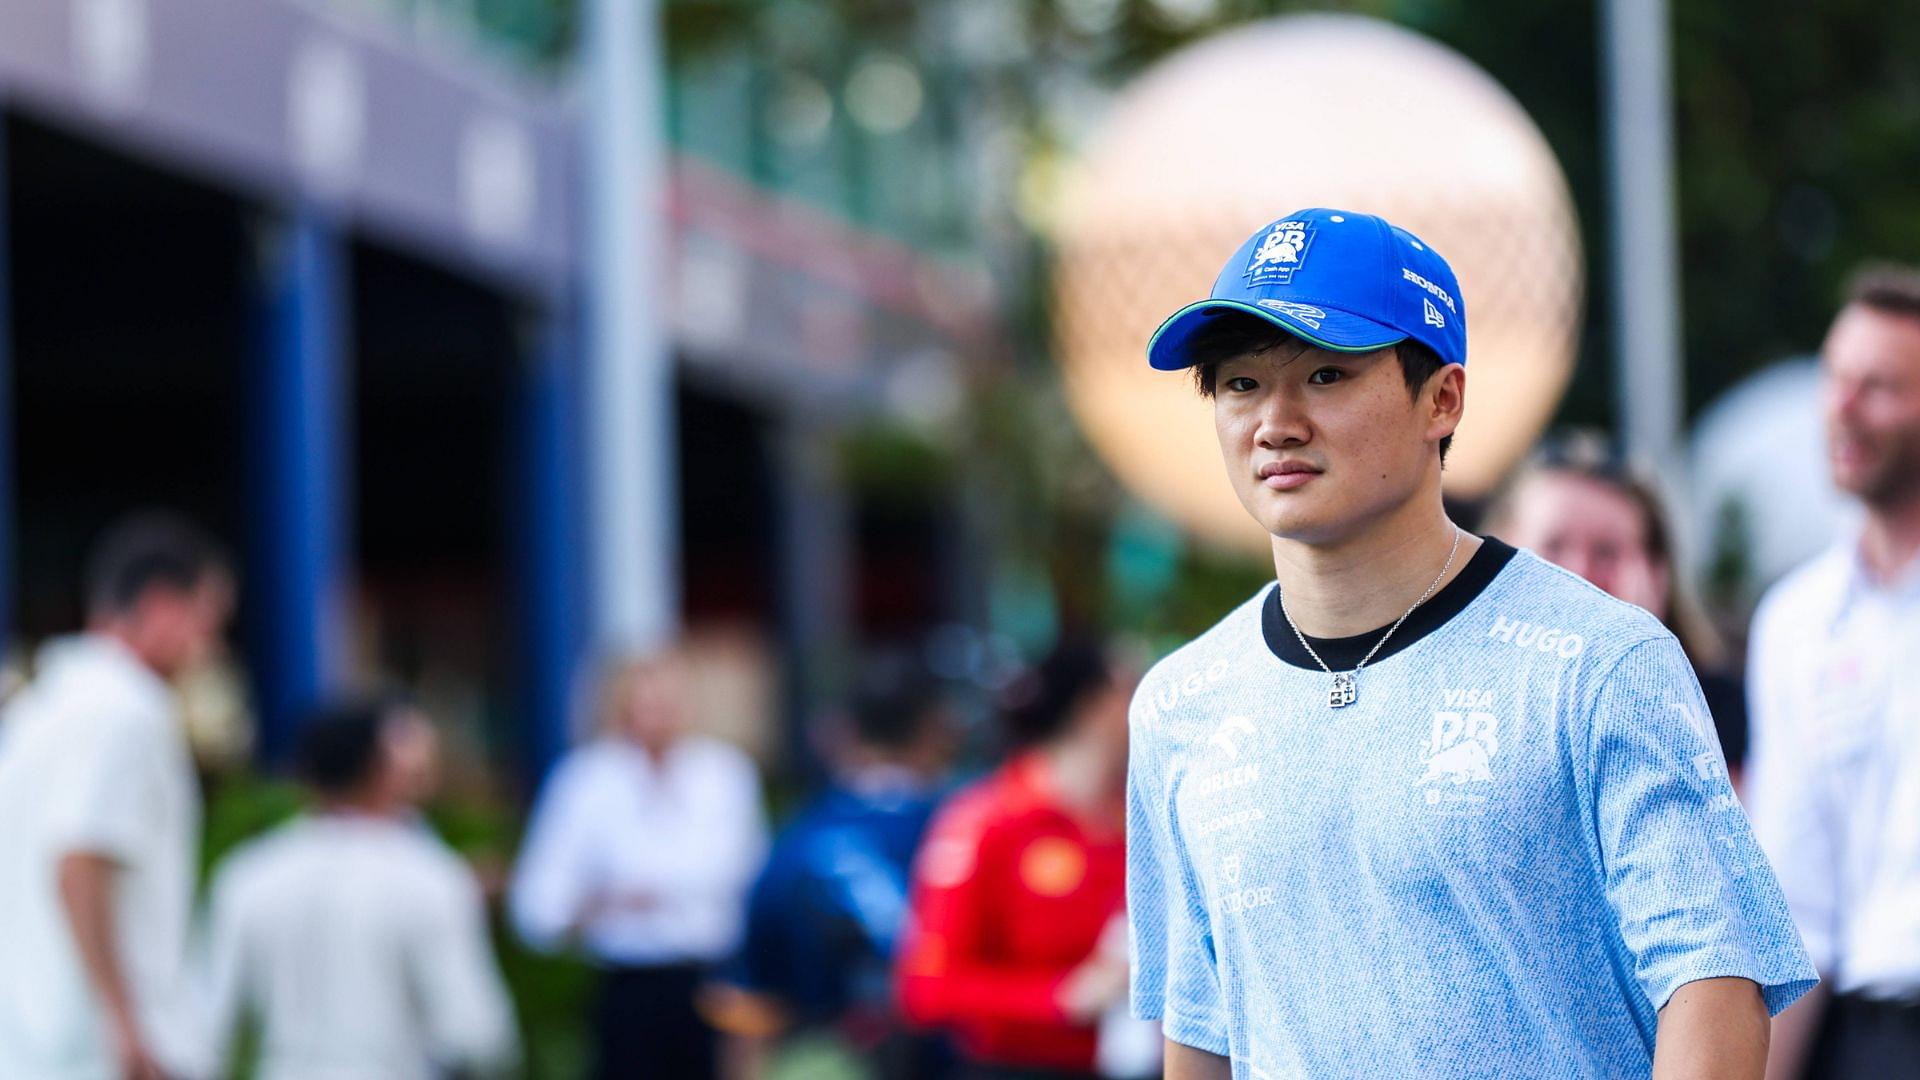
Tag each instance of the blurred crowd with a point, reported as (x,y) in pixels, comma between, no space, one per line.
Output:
(919,919)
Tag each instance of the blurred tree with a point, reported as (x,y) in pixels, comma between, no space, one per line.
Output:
(1795,131)
(1795,121)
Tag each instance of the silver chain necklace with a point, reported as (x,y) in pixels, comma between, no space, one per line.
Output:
(1345,691)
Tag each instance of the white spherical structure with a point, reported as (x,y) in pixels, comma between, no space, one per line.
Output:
(1312,110)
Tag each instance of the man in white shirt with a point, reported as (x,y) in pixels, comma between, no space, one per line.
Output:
(355,936)
(1834,686)
(640,852)
(100,820)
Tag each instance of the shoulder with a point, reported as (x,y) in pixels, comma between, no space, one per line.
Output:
(722,761)
(255,864)
(1537,607)
(97,675)
(980,807)
(1201,663)
(716,753)
(429,860)
(960,830)
(1809,592)
(587,767)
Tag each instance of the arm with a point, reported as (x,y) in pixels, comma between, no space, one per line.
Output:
(223,965)
(744,999)
(1798,824)
(1692,893)
(549,898)
(86,895)
(469,1020)
(1712,1029)
(945,974)
(1175,974)
(1794,1032)
(1186,1063)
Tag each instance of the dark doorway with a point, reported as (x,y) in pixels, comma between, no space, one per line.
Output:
(130,316)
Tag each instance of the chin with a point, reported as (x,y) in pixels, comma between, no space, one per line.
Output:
(1301,524)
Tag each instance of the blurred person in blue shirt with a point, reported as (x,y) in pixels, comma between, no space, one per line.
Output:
(825,914)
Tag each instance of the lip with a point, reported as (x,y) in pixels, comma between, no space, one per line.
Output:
(1286,475)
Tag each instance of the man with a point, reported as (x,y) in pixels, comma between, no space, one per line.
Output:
(100,819)
(1836,708)
(826,911)
(1427,806)
(355,936)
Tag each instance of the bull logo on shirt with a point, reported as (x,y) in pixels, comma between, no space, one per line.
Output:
(1459,753)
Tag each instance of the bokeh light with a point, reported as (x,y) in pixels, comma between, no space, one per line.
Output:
(1318,110)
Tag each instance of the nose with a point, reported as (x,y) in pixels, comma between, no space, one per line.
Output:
(1843,400)
(1283,421)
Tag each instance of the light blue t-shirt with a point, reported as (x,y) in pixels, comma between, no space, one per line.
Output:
(1499,861)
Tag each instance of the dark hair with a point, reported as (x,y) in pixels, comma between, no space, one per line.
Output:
(1040,703)
(1232,333)
(147,549)
(1887,288)
(339,746)
(894,698)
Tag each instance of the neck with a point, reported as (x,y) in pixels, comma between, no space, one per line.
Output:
(370,803)
(1890,539)
(123,632)
(1368,580)
(1079,777)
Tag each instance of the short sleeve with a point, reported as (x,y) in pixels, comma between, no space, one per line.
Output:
(104,806)
(1694,896)
(1174,975)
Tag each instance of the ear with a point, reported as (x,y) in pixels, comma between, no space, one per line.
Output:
(1445,400)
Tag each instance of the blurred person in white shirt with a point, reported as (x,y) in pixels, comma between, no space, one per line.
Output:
(100,819)
(1834,682)
(353,935)
(640,853)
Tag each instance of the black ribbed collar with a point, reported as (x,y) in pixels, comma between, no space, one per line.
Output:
(1342,653)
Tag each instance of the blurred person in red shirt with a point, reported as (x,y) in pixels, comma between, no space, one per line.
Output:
(1010,945)
(1581,506)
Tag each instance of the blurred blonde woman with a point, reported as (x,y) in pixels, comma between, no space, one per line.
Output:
(640,852)
(1576,503)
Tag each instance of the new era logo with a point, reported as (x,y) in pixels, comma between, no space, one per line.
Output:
(1434,318)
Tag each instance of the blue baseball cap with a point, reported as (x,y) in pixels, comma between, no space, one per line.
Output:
(1337,279)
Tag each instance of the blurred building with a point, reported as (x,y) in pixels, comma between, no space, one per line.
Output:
(313,274)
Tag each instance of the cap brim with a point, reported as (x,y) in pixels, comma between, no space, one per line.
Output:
(1329,328)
